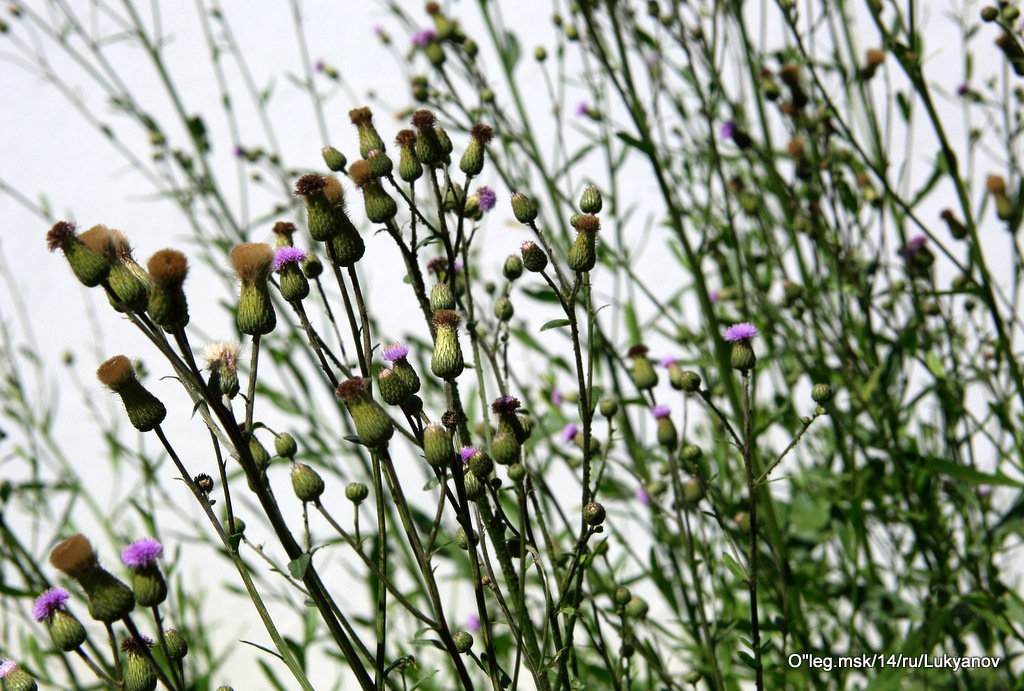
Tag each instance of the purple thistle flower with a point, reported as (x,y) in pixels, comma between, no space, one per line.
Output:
(142,553)
(437,265)
(239,151)
(642,496)
(915,243)
(473,623)
(467,452)
(712,296)
(556,397)
(378,30)
(395,351)
(660,411)
(458,267)
(487,198)
(288,255)
(423,38)
(48,603)
(6,667)
(728,129)
(740,332)
(963,89)
(319,66)
(570,432)
(668,361)
(581,109)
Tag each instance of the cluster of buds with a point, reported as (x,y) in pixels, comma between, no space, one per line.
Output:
(328,219)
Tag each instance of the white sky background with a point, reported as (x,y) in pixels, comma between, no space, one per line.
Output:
(46,148)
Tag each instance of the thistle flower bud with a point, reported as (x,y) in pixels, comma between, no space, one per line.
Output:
(989,13)
(463,641)
(513,268)
(260,455)
(474,488)
(591,202)
(177,647)
(392,388)
(409,167)
(15,678)
(356,492)
(203,482)
(524,208)
(1005,208)
(147,581)
(65,630)
(637,607)
(362,118)
(689,381)
(462,540)
(472,162)
(109,598)
(693,490)
(128,281)
(139,675)
(373,426)
(88,265)
(822,393)
(583,253)
(505,448)
(477,461)
(447,362)
(437,446)
(622,595)
(1013,52)
(380,208)
(441,297)
(503,309)
(292,282)
(306,482)
(380,165)
(956,227)
(252,262)
(320,213)
(609,408)
(285,446)
(667,436)
(144,410)
(739,335)
(593,514)
(334,159)
(643,372)
(692,453)
(517,473)
(312,267)
(428,147)
(742,520)
(284,231)
(167,306)
(222,361)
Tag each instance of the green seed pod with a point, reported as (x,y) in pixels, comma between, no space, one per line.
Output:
(689,381)
(409,167)
(260,456)
(1005,209)
(534,258)
(110,600)
(167,306)
(447,362)
(285,446)
(989,13)
(505,448)
(435,53)
(637,607)
(369,140)
(472,162)
(306,482)
(583,253)
(822,393)
(591,202)
(609,408)
(65,630)
(437,446)
(88,265)
(373,426)
(334,159)
(513,268)
(622,595)
(463,642)
(356,492)
(503,309)
(524,208)
(145,411)
(593,514)
(138,674)
(177,647)
(441,297)
(540,54)
(347,247)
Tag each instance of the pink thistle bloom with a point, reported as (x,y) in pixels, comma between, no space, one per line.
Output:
(668,362)
(661,411)
(581,109)
(467,452)
(423,38)
(740,332)
(487,198)
(556,397)
(915,243)
(288,255)
(712,296)
(395,351)
(473,623)
(642,496)
(142,553)
(318,66)
(728,129)
(49,602)
(239,151)
(570,432)
(6,667)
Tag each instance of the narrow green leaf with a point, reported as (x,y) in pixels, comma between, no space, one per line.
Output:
(554,324)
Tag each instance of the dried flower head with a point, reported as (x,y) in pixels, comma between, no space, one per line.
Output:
(288,255)
(136,645)
(587,223)
(395,351)
(116,373)
(168,267)
(506,405)
(423,119)
(56,235)
(73,556)
(252,261)
(284,228)
(740,332)
(142,553)
(309,184)
(446,318)
(360,116)
(351,388)
(223,353)
(996,184)
(481,133)
(639,350)
(49,602)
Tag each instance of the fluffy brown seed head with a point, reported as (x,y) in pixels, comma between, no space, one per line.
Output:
(446,318)
(405,138)
(55,236)
(252,261)
(360,173)
(874,57)
(639,350)
(121,244)
(996,184)
(481,133)
(947,215)
(333,191)
(309,184)
(423,119)
(100,239)
(284,228)
(360,116)
(73,556)
(351,388)
(433,8)
(506,405)
(116,372)
(168,267)
(588,223)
